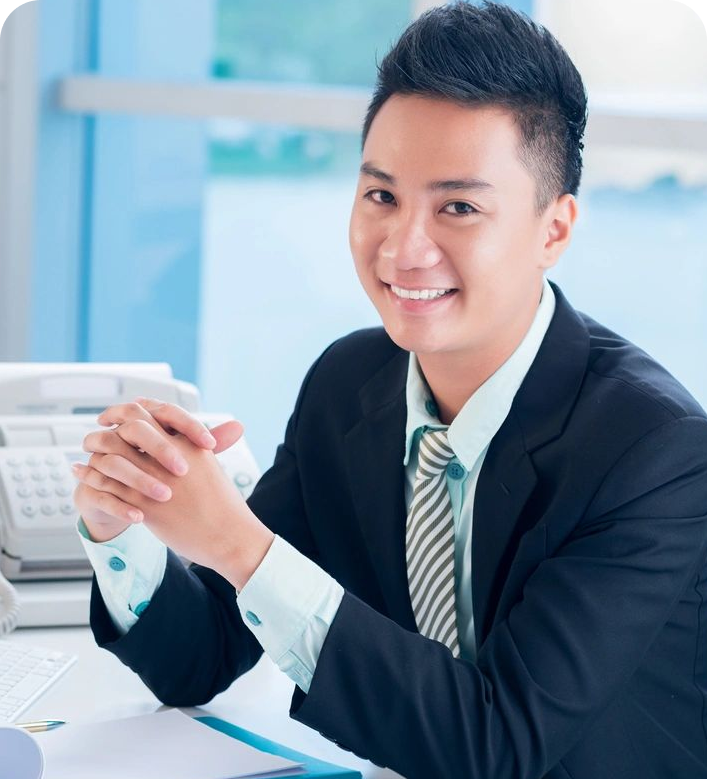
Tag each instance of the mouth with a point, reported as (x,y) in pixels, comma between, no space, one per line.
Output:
(419,300)
(430,293)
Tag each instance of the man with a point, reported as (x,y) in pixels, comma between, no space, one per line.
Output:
(481,550)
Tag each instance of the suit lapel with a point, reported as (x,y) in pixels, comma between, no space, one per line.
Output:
(505,483)
(538,415)
(375,449)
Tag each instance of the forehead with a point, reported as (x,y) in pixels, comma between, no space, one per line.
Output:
(421,137)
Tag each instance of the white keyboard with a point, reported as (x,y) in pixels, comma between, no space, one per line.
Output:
(26,672)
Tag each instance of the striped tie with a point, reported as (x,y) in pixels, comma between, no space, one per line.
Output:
(429,543)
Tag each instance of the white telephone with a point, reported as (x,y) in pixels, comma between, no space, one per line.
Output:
(46,409)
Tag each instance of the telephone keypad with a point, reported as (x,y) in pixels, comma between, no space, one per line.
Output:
(42,485)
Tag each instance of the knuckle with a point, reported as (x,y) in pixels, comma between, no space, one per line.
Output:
(105,438)
(111,462)
(138,426)
(104,502)
(168,451)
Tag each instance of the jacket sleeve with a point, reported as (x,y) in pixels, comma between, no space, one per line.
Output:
(586,618)
(191,643)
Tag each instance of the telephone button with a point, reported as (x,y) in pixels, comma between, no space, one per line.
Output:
(25,491)
(242,479)
(67,508)
(33,460)
(57,476)
(44,492)
(48,510)
(14,462)
(38,476)
(29,509)
(63,491)
(19,475)
(52,459)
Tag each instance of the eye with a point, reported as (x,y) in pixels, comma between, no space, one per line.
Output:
(380,196)
(459,208)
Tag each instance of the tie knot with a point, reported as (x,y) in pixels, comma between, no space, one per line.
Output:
(435,453)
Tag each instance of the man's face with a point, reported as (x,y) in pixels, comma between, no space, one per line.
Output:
(444,203)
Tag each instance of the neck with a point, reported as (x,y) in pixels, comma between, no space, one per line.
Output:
(453,377)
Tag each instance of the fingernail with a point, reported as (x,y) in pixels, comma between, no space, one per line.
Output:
(180,466)
(207,440)
(76,467)
(161,492)
(136,516)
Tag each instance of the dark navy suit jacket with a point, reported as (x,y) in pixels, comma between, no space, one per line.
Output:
(589,569)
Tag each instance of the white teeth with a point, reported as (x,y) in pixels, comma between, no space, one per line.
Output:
(419,294)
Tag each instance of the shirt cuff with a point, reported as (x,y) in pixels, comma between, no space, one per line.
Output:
(129,569)
(289,604)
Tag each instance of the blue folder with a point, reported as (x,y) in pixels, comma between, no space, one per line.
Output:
(312,767)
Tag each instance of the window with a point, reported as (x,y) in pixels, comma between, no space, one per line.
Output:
(194,167)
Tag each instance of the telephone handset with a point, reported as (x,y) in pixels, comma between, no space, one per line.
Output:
(9,606)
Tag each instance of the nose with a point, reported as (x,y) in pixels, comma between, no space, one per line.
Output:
(409,244)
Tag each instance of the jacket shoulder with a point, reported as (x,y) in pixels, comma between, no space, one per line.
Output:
(626,371)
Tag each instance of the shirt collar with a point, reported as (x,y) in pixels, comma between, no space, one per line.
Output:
(483,413)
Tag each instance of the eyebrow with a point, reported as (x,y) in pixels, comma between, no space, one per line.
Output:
(447,185)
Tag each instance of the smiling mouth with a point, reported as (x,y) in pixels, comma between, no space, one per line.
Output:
(430,293)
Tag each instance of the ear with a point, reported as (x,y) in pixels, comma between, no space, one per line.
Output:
(558,222)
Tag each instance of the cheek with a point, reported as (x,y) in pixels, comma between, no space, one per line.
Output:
(359,233)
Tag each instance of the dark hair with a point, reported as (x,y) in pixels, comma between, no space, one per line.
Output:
(493,55)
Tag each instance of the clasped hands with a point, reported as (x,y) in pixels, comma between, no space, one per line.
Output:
(156,464)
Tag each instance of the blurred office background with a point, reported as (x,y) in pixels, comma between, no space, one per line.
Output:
(176,178)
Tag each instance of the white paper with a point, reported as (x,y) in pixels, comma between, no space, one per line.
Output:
(164,745)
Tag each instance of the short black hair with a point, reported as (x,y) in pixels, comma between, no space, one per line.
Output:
(493,55)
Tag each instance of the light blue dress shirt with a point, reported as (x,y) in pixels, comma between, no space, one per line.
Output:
(289,603)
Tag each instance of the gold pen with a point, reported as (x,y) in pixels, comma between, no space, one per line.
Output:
(41,725)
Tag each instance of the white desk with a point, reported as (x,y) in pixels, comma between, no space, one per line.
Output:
(99,686)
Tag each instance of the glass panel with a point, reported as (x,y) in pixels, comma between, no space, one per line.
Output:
(278,287)
(333,42)
(638,264)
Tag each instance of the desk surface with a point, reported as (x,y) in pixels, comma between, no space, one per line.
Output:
(99,686)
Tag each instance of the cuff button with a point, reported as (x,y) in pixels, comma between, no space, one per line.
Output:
(254,619)
(140,608)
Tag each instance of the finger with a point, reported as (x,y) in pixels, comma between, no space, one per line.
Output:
(226,435)
(156,443)
(109,442)
(122,412)
(176,418)
(137,434)
(96,494)
(125,472)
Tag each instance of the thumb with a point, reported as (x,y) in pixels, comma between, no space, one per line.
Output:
(226,434)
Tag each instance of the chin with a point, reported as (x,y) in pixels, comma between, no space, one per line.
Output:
(419,342)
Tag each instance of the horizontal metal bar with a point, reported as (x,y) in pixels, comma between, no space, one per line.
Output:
(643,124)
(327,108)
